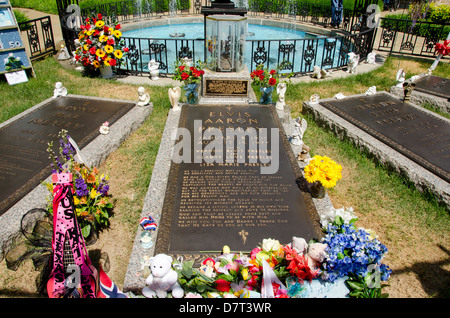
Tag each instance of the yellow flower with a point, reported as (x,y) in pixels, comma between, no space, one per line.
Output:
(118,54)
(94,193)
(244,273)
(109,49)
(76,201)
(99,24)
(106,61)
(90,32)
(96,64)
(103,38)
(117,33)
(100,53)
(86,47)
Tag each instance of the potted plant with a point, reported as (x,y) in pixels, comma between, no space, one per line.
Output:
(322,172)
(99,46)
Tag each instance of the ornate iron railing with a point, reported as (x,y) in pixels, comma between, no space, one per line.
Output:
(289,56)
(410,37)
(39,35)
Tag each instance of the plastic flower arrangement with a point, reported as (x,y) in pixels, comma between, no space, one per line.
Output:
(354,253)
(264,77)
(323,170)
(350,256)
(191,76)
(91,200)
(100,44)
(443,48)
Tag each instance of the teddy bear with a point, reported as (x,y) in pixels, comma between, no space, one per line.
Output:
(316,254)
(162,278)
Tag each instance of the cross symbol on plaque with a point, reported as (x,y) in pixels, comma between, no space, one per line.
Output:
(229,108)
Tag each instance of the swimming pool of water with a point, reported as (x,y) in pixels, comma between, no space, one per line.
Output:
(195,31)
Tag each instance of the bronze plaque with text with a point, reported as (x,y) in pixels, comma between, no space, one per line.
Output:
(217,87)
(209,204)
(434,85)
(418,135)
(24,161)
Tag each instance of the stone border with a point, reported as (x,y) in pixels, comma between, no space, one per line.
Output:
(154,200)
(93,154)
(420,98)
(423,179)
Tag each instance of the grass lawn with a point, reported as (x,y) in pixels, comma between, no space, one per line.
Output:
(412,225)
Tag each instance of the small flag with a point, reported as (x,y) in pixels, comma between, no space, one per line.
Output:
(148,223)
(107,287)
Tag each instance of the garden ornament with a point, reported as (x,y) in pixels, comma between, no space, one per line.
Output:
(174,97)
(144,97)
(59,90)
(353,60)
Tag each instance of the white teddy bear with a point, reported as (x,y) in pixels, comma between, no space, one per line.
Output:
(314,252)
(162,278)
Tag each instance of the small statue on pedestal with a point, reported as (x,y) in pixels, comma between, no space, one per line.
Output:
(59,90)
(153,68)
(297,137)
(408,87)
(281,90)
(144,97)
(174,97)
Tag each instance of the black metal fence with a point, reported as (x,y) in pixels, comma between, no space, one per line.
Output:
(417,38)
(39,36)
(289,56)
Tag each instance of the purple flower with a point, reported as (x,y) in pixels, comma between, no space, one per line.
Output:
(81,187)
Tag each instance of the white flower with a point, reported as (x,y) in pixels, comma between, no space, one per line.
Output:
(270,245)
(329,216)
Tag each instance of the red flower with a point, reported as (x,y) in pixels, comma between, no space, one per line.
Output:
(272,81)
(92,50)
(222,285)
(87,27)
(184,76)
(99,16)
(118,27)
(272,72)
(443,49)
(110,42)
(105,29)
(181,68)
(126,50)
(112,62)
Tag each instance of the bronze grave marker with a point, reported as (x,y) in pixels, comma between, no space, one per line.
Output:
(24,161)
(413,132)
(212,204)
(434,85)
(225,87)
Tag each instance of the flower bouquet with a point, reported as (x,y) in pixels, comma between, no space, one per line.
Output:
(266,80)
(91,200)
(191,76)
(345,263)
(322,172)
(99,44)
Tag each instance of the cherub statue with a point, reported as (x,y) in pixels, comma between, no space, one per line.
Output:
(153,68)
(144,97)
(59,90)
(281,90)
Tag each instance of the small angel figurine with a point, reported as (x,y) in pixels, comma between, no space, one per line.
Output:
(174,97)
(281,90)
(299,131)
(59,90)
(144,97)
(104,128)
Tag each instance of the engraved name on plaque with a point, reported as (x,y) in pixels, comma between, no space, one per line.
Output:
(216,203)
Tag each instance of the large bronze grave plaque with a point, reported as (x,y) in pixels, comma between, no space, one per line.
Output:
(419,135)
(434,85)
(24,161)
(209,205)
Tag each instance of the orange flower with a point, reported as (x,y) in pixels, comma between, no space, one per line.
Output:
(90,178)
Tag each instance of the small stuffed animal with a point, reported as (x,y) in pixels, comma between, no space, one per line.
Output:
(299,244)
(316,254)
(162,278)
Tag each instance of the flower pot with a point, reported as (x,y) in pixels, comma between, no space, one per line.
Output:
(106,71)
(191,93)
(318,190)
(266,95)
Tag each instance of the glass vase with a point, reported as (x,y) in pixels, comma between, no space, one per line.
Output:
(266,95)
(318,190)
(191,93)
